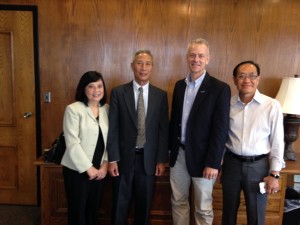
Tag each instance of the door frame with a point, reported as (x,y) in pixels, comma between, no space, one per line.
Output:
(34,10)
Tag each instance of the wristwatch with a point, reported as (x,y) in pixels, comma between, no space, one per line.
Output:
(276,176)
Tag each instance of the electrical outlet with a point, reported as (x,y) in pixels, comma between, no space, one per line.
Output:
(47,97)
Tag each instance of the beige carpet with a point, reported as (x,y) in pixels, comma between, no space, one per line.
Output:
(19,215)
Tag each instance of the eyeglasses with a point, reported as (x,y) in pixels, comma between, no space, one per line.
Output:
(244,76)
(193,56)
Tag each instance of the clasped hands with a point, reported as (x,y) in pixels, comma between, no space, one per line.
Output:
(97,174)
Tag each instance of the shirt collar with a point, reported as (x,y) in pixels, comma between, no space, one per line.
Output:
(136,86)
(257,98)
(197,82)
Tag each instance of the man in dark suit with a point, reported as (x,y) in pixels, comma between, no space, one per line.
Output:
(198,133)
(134,163)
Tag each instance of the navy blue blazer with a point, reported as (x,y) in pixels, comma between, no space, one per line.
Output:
(207,125)
(123,128)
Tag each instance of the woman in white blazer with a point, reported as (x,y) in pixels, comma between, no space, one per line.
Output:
(84,163)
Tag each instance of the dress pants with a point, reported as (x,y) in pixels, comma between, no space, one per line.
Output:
(246,176)
(83,197)
(133,184)
(180,183)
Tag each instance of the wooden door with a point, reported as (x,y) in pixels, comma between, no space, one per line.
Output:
(18,176)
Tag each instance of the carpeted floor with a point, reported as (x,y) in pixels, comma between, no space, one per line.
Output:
(19,215)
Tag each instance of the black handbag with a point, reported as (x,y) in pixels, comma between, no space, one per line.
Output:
(55,154)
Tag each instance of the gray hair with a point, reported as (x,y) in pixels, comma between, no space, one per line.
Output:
(142,51)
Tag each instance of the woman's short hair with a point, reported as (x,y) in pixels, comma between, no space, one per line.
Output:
(89,77)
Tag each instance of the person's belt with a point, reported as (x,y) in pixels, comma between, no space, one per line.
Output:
(182,146)
(247,158)
(139,151)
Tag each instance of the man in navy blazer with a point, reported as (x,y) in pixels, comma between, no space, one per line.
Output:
(135,167)
(198,133)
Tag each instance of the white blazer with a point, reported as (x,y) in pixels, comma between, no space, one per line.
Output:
(81,131)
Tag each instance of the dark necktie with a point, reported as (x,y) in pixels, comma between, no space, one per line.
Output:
(141,138)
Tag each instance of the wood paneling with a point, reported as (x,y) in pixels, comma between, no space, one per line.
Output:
(18,180)
(54,203)
(80,35)
(54,206)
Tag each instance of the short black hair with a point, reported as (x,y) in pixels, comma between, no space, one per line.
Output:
(89,77)
(235,70)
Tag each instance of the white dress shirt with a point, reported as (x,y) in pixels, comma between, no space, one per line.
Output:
(257,128)
(191,91)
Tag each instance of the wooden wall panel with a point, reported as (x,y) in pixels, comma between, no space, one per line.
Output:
(80,35)
(6,83)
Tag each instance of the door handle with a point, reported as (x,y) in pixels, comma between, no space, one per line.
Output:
(27,114)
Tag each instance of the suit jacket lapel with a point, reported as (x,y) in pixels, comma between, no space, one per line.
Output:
(90,113)
(181,90)
(202,92)
(130,103)
(151,102)
(181,93)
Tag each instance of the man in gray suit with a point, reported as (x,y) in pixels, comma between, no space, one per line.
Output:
(134,164)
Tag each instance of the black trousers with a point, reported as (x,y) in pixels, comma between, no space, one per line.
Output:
(246,176)
(134,184)
(83,197)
